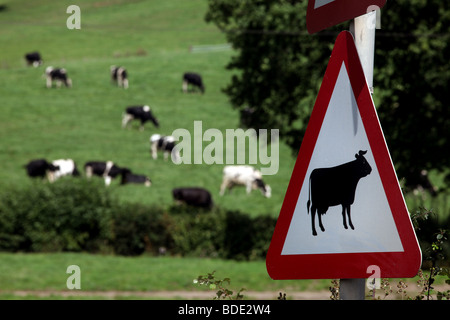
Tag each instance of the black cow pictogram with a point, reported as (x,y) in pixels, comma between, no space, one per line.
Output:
(336,186)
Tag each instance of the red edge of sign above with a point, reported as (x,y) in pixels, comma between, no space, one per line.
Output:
(345,265)
(336,12)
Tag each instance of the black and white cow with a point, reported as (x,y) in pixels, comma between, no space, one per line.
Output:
(193,196)
(63,167)
(166,144)
(335,186)
(33,59)
(194,80)
(246,176)
(59,75)
(106,169)
(141,113)
(120,76)
(129,177)
(39,168)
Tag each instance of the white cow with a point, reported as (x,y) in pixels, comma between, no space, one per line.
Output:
(244,175)
(64,167)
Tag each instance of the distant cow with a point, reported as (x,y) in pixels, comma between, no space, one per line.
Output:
(166,144)
(194,80)
(120,76)
(39,168)
(196,197)
(336,186)
(246,176)
(33,59)
(129,177)
(63,167)
(142,113)
(106,169)
(59,75)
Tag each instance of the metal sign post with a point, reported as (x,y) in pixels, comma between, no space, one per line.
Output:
(363,30)
(352,289)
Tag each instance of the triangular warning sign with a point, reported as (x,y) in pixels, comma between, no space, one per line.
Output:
(344,210)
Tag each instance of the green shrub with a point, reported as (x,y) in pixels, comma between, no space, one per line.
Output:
(221,233)
(80,215)
(197,232)
(137,229)
(247,238)
(68,215)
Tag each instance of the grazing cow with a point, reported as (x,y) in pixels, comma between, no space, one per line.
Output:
(142,113)
(129,177)
(119,75)
(196,197)
(33,59)
(39,168)
(194,80)
(64,167)
(106,169)
(246,176)
(59,75)
(336,186)
(166,144)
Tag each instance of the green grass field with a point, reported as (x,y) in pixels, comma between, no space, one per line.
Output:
(108,273)
(151,39)
(44,276)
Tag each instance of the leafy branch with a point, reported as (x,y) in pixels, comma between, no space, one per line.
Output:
(222,291)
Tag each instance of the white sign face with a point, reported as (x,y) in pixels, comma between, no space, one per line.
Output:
(341,136)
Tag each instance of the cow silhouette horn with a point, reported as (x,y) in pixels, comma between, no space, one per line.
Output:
(360,153)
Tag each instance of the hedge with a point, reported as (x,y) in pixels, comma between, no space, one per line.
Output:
(81,216)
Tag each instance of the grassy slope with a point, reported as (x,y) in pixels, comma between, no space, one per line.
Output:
(151,39)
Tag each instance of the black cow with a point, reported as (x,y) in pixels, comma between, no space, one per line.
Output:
(59,75)
(194,80)
(335,186)
(119,75)
(106,169)
(129,177)
(39,168)
(142,113)
(33,59)
(196,197)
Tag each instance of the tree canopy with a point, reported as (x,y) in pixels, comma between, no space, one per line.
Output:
(279,68)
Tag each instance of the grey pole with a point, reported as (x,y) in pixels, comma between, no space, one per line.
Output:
(363,30)
(352,289)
